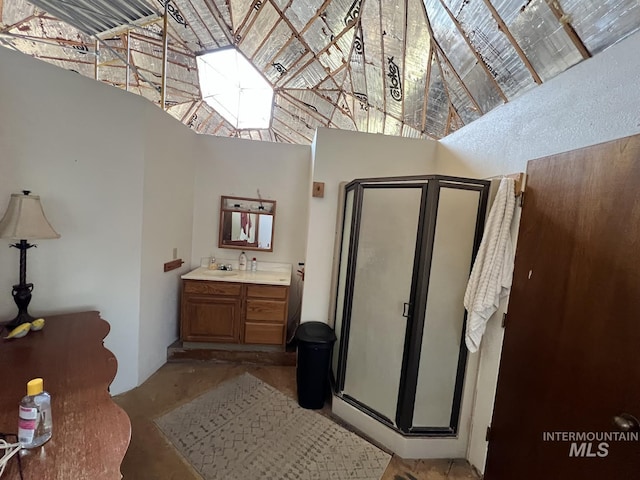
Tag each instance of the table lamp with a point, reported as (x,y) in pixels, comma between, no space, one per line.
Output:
(24,220)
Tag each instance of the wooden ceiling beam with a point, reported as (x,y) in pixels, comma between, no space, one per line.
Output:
(220,125)
(358,29)
(404,54)
(190,111)
(126,41)
(153,42)
(178,64)
(293,130)
(294,34)
(266,38)
(475,53)
(287,43)
(502,26)
(427,85)
(300,120)
(96,49)
(246,18)
(205,121)
(165,46)
(455,74)
(444,82)
(186,92)
(280,134)
(50,57)
(217,15)
(312,113)
(382,69)
(301,40)
(448,126)
(18,23)
(202,22)
(556,8)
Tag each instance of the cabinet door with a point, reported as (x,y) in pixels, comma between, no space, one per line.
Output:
(211,318)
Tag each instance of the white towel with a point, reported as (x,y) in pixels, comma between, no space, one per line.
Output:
(492,270)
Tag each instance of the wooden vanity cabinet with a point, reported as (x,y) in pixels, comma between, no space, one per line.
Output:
(226,312)
(211,311)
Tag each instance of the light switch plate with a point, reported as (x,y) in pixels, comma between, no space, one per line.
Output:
(318,189)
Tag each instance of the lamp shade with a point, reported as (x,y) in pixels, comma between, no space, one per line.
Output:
(25,220)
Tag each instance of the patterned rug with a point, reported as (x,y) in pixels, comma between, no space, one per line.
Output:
(245,429)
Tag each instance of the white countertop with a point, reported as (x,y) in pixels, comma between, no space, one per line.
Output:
(280,275)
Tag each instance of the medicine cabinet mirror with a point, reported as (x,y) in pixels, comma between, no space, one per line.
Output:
(247,223)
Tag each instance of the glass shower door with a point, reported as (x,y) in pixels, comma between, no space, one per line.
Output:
(383,271)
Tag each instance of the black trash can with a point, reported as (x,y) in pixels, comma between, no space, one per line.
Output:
(315,342)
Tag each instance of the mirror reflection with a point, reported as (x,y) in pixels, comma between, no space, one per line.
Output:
(246,223)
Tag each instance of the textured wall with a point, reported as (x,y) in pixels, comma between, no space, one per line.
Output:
(596,101)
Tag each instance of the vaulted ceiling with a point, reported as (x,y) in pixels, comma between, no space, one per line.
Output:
(413,68)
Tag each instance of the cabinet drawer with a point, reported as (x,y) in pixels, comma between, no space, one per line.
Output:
(212,288)
(263,333)
(274,311)
(267,291)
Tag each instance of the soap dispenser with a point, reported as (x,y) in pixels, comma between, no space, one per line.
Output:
(242,262)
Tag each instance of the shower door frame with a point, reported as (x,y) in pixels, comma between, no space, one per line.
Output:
(415,313)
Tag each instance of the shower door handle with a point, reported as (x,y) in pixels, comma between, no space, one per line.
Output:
(405,310)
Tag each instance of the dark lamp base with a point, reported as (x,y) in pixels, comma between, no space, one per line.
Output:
(22,296)
(22,317)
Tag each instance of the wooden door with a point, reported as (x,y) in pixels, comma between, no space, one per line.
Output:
(571,353)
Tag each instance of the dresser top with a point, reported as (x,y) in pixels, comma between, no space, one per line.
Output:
(90,432)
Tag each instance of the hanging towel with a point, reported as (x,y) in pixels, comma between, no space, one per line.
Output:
(245,223)
(492,271)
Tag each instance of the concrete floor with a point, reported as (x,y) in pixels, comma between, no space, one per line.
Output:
(151,457)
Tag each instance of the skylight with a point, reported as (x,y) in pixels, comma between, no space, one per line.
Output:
(235,89)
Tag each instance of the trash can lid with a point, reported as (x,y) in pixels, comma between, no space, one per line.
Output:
(315,332)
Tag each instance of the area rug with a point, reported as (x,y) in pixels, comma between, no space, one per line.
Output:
(245,429)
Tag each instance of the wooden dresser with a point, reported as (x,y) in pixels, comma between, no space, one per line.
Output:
(90,432)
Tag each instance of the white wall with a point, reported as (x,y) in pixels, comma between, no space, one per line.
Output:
(116,179)
(167,224)
(341,156)
(595,101)
(76,143)
(238,168)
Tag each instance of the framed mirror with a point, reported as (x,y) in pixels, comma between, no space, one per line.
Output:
(246,223)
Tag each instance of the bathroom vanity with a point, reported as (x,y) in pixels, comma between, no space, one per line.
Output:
(236,308)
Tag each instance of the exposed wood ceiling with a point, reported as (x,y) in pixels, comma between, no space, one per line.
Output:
(413,68)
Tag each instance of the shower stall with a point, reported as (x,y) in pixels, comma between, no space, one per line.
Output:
(405,255)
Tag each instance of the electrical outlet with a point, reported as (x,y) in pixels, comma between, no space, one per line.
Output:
(175,252)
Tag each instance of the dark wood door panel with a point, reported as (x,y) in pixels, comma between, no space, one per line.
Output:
(569,355)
